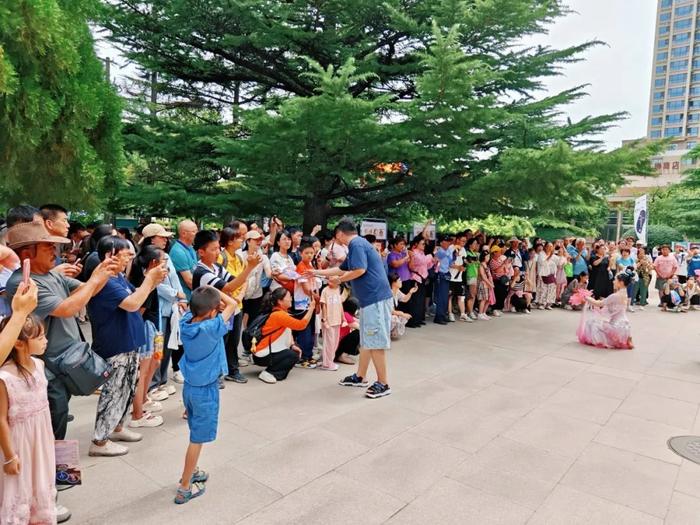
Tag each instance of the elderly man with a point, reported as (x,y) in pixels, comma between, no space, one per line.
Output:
(184,260)
(579,256)
(60,298)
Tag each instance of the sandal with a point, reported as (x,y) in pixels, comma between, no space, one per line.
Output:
(183,496)
(199,476)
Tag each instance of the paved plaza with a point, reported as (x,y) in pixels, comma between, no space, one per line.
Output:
(509,421)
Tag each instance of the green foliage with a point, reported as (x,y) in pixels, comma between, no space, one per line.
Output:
(658,234)
(60,118)
(678,205)
(323,92)
(500,225)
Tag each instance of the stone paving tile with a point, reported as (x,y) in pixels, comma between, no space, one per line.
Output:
(673,388)
(582,405)
(647,438)
(567,506)
(651,407)
(287,464)
(404,467)
(688,481)
(450,502)
(602,384)
(331,498)
(684,510)
(636,481)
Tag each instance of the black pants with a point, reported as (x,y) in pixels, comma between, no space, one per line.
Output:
(350,344)
(175,356)
(406,286)
(416,305)
(279,363)
(252,307)
(231,341)
(519,303)
(58,406)
(500,290)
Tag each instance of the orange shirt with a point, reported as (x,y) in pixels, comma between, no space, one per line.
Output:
(276,326)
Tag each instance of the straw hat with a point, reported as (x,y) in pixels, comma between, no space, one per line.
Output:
(28,233)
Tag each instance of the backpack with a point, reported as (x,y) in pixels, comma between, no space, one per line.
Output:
(254,332)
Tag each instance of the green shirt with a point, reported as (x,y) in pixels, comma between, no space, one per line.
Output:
(473,267)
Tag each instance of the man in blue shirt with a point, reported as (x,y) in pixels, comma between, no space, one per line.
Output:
(694,262)
(444,255)
(579,257)
(364,267)
(184,259)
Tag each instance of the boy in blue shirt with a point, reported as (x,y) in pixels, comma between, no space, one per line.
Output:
(202,330)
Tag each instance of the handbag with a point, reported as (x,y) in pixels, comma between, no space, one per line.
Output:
(80,368)
(549,279)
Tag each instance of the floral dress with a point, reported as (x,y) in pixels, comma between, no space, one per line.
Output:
(29,496)
(607,326)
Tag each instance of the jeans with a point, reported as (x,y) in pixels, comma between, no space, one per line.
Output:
(231,340)
(442,290)
(643,292)
(305,339)
(160,376)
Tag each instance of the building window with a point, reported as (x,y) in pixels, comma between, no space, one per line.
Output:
(691,145)
(694,91)
(676,92)
(664,17)
(678,78)
(673,132)
(657,108)
(672,147)
(666,3)
(662,57)
(663,43)
(695,117)
(685,161)
(659,95)
(681,38)
(674,119)
(656,121)
(693,132)
(659,82)
(683,24)
(694,104)
(675,104)
(684,10)
(680,52)
(660,70)
(679,65)
(655,134)
(665,30)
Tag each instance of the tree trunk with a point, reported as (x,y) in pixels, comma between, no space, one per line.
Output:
(316,211)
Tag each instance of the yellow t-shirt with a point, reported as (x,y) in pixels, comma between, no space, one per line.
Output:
(234,266)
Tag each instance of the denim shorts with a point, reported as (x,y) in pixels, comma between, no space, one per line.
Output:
(146,350)
(202,405)
(375,325)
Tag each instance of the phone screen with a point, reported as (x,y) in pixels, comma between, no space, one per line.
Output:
(26,270)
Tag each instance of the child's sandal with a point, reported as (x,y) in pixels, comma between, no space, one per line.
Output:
(199,476)
(183,496)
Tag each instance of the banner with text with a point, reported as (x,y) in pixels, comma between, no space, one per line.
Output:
(641,218)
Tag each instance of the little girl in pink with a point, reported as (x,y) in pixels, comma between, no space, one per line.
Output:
(27,483)
(331,320)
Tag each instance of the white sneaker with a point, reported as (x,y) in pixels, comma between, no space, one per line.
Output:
(473,315)
(170,390)
(548,307)
(157,395)
(483,317)
(496,313)
(147,421)
(513,310)
(466,318)
(331,368)
(526,311)
(630,308)
(451,317)
(125,435)
(62,513)
(178,377)
(568,307)
(244,360)
(267,377)
(109,449)
(152,406)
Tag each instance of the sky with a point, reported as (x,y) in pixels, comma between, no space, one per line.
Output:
(619,73)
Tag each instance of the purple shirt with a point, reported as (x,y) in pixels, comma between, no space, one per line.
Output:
(402,271)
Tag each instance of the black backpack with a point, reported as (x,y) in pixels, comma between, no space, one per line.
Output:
(254,332)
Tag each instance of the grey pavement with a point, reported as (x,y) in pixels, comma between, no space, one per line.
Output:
(509,421)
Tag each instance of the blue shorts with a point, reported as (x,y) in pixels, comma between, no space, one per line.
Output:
(202,405)
(375,325)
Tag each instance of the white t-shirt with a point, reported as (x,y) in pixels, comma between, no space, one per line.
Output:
(279,263)
(682,258)
(461,255)
(547,266)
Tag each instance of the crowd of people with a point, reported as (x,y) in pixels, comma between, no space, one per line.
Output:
(197,306)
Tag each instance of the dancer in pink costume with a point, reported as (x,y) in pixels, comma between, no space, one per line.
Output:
(604,323)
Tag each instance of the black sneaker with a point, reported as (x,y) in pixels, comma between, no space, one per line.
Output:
(378,390)
(353,380)
(236,377)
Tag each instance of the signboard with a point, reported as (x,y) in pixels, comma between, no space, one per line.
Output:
(429,233)
(376,227)
(641,218)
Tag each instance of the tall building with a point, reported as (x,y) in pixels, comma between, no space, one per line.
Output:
(674,107)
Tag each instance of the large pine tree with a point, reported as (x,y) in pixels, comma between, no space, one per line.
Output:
(357,106)
(60,119)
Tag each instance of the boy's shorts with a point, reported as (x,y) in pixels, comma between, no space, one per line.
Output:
(375,325)
(457,288)
(202,405)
